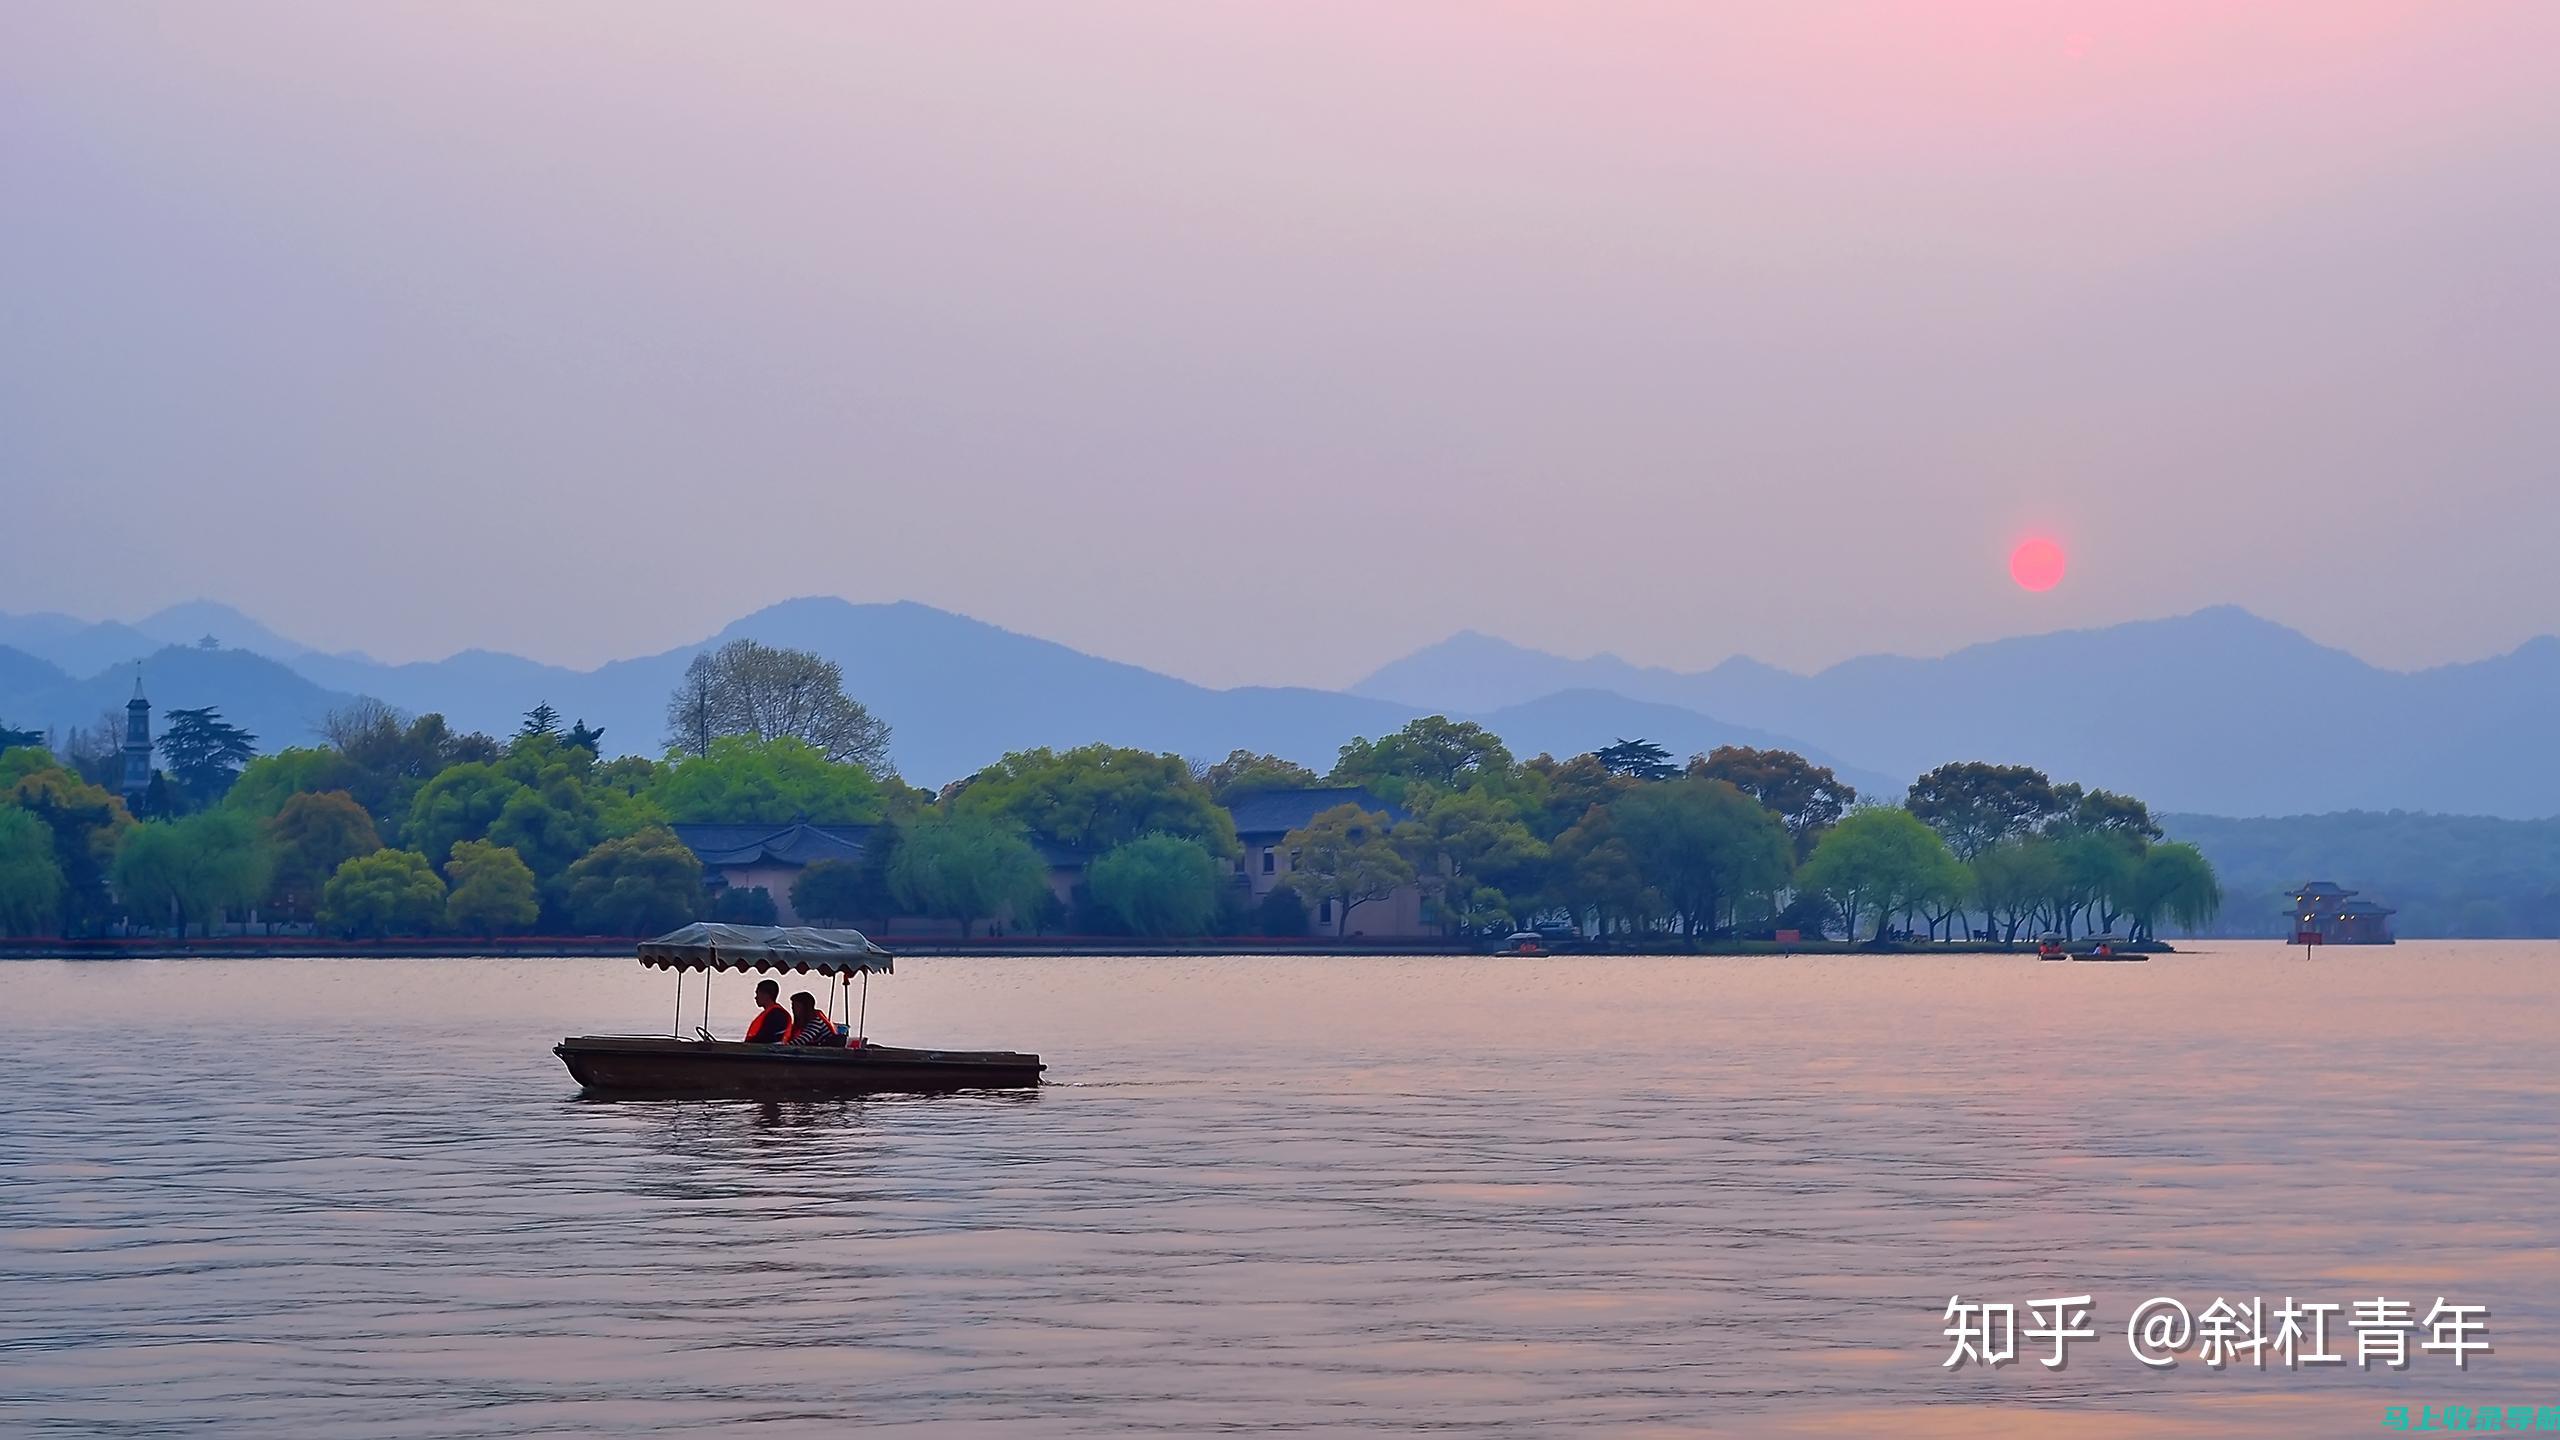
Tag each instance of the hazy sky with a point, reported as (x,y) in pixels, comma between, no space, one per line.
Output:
(1264,342)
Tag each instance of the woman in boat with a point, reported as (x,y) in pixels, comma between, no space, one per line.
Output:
(809,1024)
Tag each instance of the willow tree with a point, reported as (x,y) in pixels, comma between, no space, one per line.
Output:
(2176,883)
(967,868)
(1882,862)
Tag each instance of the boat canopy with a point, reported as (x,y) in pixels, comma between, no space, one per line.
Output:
(708,946)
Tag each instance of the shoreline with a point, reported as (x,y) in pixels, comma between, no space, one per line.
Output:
(570,947)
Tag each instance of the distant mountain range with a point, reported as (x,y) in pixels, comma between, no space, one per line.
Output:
(2218,712)
(957,692)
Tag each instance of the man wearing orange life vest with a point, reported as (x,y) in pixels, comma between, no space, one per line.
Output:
(772,1022)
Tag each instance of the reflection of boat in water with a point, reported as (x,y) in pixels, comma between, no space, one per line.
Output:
(672,1065)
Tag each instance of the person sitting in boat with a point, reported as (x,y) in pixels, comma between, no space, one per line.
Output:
(809,1024)
(772,1022)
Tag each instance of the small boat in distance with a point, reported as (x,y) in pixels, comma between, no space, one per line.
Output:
(672,1066)
(2053,945)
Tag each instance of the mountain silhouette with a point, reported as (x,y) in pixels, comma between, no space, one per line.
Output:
(2219,712)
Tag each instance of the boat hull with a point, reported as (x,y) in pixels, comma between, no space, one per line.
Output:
(623,1065)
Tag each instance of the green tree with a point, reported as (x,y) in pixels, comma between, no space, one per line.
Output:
(459,803)
(1433,750)
(205,753)
(745,905)
(88,825)
(1346,856)
(764,693)
(847,892)
(1473,856)
(640,884)
(268,781)
(1245,773)
(1281,915)
(30,879)
(1974,806)
(540,720)
(2012,879)
(12,738)
(190,871)
(1594,872)
(389,892)
(390,757)
(589,738)
(1561,792)
(1701,845)
(1158,885)
(2108,813)
(966,868)
(20,762)
(1096,797)
(1881,862)
(1636,759)
(743,781)
(548,826)
(310,837)
(1807,797)
(624,790)
(2096,869)
(2174,882)
(493,890)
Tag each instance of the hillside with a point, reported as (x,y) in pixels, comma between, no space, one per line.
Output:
(261,695)
(2217,712)
(2448,875)
(959,692)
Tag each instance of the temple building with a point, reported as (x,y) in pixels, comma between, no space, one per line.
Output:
(2324,913)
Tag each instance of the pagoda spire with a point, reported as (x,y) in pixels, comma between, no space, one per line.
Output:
(137,745)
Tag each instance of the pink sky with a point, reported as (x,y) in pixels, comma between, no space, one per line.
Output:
(1262,343)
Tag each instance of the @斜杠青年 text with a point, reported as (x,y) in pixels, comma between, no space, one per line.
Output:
(2292,1334)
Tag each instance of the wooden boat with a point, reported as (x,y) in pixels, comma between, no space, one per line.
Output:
(652,1065)
(2052,946)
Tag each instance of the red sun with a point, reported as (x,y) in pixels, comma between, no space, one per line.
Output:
(2037,563)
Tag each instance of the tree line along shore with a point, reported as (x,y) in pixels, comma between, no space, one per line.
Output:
(397,828)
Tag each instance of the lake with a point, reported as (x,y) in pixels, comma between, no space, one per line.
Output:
(1270,1195)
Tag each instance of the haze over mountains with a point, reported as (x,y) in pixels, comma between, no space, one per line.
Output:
(2218,712)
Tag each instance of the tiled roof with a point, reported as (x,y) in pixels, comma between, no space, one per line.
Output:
(1276,812)
(721,846)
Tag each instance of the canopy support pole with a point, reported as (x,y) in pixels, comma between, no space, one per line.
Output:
(677,1028)
(706,998)
(865,1017)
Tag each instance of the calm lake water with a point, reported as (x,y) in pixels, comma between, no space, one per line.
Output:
(1624,1197)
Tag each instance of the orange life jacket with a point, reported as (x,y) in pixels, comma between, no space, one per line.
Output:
(757,1022)
(791,1032)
